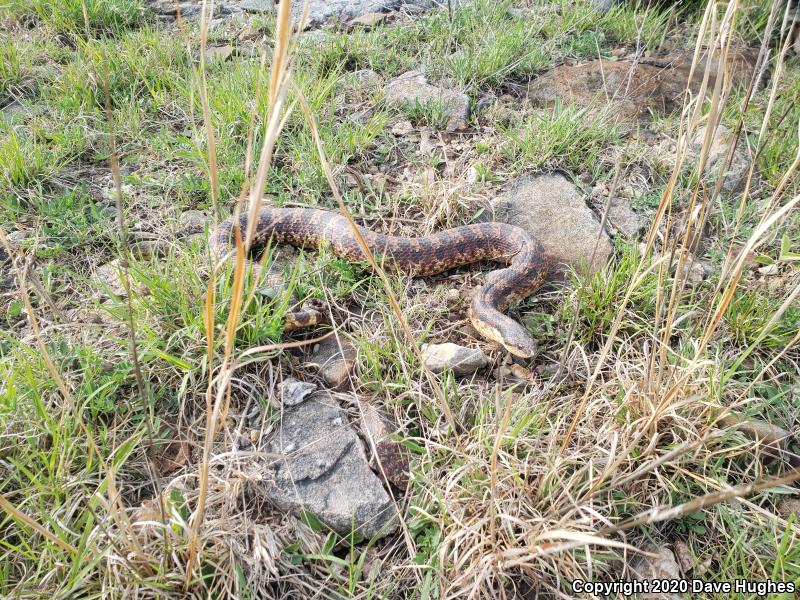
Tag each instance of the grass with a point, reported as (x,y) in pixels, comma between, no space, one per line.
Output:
(523,477)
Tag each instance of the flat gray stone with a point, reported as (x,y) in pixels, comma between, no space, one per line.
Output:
(293,392)
(325,471)
(414,87)
(460,360)
(553,210)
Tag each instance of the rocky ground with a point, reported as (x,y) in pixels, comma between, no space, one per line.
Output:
(658,174)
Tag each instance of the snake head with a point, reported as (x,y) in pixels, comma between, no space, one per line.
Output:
(519,343)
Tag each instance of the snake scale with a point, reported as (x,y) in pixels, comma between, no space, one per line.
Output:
(418,256)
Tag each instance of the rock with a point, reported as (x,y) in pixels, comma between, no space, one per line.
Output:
(552,210)
(320,11)
(293,392)
(108,278)
(721,143)
(368,20)
(335,360)
(324,470)
(413,87)
(219,53)
(789,506)
(257,6)
(367,79)
(623,219)
(602,5)
(150,249)
(632,89)
(169,8)
(387,456)
(662,565)
(192,221)
(16,241)
(460,360)
(761,431)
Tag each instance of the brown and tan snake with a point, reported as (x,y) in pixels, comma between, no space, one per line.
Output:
(420,256)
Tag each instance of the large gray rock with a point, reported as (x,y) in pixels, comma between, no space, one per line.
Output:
(413,87)
(325,471)
(552,209)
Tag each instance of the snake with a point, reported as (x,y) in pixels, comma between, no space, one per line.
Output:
(522,255)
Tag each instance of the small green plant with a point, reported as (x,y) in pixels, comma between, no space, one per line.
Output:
(428,113)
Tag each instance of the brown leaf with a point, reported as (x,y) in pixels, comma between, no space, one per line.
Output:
(175,455)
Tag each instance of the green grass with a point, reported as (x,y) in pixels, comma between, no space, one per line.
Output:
(569,136)
(69,16)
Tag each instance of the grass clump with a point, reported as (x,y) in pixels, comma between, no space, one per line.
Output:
(68,16)
(568,136)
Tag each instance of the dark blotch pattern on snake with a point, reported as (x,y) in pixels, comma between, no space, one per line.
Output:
(420,256)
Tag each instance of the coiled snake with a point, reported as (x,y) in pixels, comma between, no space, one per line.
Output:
(421,256)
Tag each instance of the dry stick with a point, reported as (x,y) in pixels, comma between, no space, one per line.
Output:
(375,267)
(277,95)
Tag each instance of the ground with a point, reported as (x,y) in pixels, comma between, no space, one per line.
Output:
(649,434)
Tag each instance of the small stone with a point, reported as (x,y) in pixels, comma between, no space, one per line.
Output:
(335,360)
(192,221)
(150,249)
(219,53)
(293,392)
(553,211)
(659,563)
(414,87)
(16,241)
(460,360)
(108,278)
(402,128)
(257,6)
(367,20)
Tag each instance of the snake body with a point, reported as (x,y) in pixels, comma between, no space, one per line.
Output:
(419,256)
